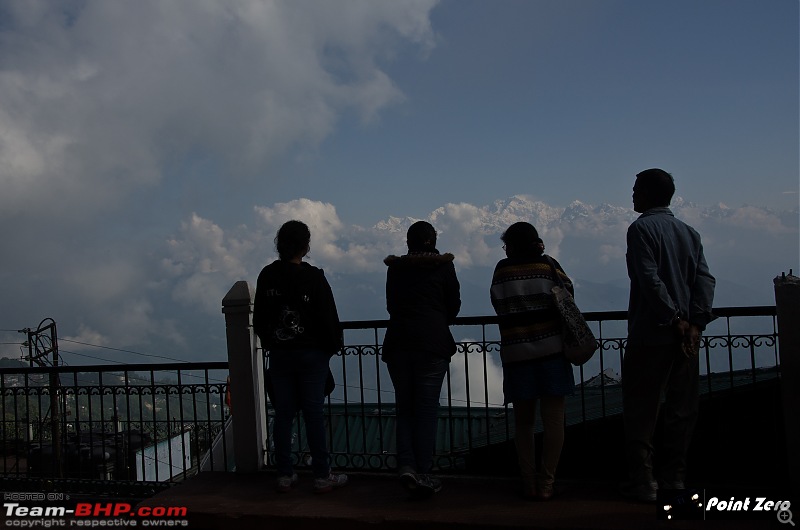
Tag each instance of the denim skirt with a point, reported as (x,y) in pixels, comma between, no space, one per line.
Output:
(524,380)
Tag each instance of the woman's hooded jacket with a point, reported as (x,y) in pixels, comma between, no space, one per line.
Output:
(423,298)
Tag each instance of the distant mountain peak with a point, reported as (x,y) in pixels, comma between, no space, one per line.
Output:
(500,214)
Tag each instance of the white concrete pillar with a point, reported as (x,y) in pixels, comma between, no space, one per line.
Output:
(246,368)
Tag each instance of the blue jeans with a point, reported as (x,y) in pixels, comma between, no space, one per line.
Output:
(298,383)
(417,379)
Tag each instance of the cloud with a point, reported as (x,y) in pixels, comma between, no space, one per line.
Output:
(86,335)
(97,99)
(485,378)
(334,245)
(759,219)
(204,259)
(608,253)
(462,233)
(170,295)
(103,104)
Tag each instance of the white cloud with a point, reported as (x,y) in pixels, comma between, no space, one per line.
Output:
(160,296)
(608,253)
(462,233)
(102,102)
(750,217)
(206,259)
(321,218)
(485,379)
(86,335)
(334,245)
(98,98)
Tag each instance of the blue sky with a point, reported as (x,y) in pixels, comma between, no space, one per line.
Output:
(517,95)
(149,150)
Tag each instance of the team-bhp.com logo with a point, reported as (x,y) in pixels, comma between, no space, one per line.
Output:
(94,514)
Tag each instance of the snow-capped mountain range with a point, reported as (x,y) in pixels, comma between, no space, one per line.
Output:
(497,216)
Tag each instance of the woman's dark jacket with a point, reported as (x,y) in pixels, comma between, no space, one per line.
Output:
(423,297)
(294,309)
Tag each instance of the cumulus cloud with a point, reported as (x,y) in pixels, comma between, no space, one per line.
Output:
(206,259)
(485,379)
(462,233)
(98,98)
(104,104)
(158,296)
(88,335)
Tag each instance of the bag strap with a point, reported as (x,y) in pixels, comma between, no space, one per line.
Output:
(555,271)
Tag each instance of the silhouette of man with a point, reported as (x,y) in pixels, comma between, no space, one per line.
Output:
(670,304)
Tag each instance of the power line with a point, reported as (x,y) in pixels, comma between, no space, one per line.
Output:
(102,347)
(124,351)
(210,379)
(91,357)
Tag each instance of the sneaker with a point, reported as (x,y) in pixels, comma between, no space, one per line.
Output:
(408,478)
(642,492)
(428,485)
(329,483)
(546,492)
(286,483)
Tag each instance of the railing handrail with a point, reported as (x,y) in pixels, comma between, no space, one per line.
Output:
(592,316)
(192,394)
(141,367)
(736,311)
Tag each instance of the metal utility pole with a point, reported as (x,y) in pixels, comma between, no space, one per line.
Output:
(43,351)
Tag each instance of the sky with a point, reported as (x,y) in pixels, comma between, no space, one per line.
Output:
(149,150)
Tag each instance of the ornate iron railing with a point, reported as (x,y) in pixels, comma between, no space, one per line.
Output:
(740,347)
(161,420)
(146,425)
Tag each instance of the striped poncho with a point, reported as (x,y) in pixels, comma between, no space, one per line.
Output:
(530,326)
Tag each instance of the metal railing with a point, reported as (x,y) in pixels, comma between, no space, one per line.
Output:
(143,424)
(739,348)
(155,424)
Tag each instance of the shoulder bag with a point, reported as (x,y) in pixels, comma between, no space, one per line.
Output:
(579,341)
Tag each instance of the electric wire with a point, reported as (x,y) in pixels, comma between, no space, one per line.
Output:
(124,351)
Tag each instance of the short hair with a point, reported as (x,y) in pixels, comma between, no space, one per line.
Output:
(522,240)
(658,185)
(421,237)
(292,239)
